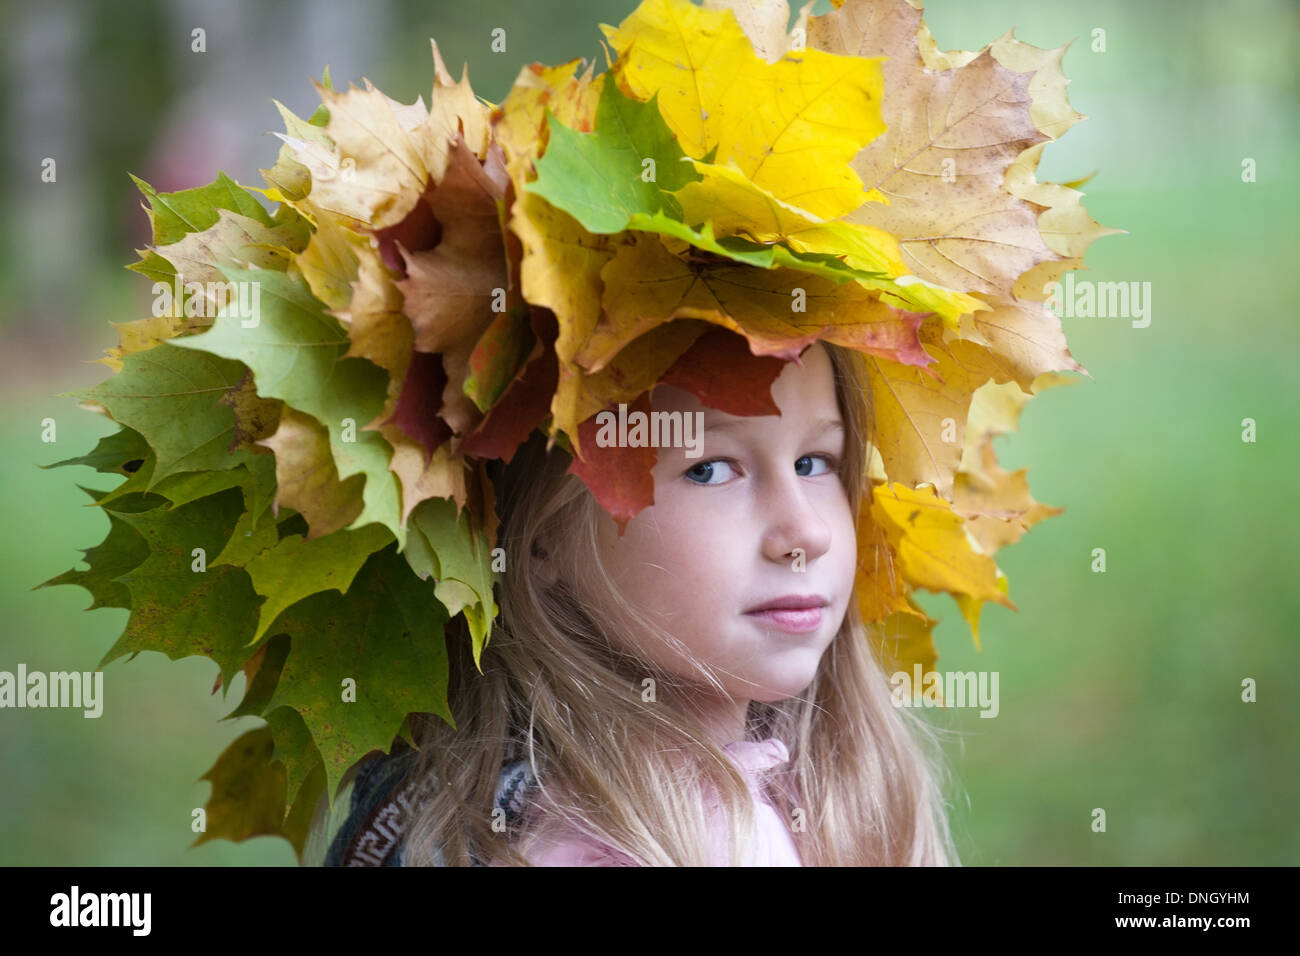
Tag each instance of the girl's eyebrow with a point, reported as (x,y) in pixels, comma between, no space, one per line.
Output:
(819,426)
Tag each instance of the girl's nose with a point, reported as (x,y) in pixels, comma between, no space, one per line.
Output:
(794,522)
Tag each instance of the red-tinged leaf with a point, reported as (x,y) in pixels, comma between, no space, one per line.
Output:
(721,371)
(499,355)
(418,405)
(526,401)
(899,340)
(418,232)
(620,477)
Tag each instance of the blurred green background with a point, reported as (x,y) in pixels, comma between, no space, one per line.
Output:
(1118,690)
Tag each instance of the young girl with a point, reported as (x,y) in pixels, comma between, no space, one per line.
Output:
(700,690)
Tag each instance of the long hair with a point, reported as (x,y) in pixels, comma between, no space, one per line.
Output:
(637,771)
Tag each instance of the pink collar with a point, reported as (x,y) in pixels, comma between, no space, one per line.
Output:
(755,756)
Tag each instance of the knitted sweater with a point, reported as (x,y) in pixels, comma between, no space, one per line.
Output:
(383,794)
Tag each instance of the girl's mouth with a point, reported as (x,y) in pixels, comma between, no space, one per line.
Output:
(794,620)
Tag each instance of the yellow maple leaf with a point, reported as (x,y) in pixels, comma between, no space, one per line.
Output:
(329,263)
(736,205)
(1066,226)
(791,126)
(561,261)
(920,412)
(518,123)
(142,334)
(905,640)
(561,268)
(996,503)
(931,544)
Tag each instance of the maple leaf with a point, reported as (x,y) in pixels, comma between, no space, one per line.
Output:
(454,291)
(306,478)
(996,503)
(647,285)
(905,640)
(1065,224)
(173,609)
(385,634)
(296,567)
(173,397)
(942,162)
(792,126)
(331,261)
(458,556)
(248,790)
(601,179)
(123,550)
(931,544)
(296,355)
(140,335)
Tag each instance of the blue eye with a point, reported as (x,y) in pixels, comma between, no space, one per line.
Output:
(706,470)
(822,458)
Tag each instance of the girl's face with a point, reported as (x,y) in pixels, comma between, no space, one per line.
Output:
(760,516)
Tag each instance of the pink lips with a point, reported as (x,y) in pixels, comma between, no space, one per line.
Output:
(796,613)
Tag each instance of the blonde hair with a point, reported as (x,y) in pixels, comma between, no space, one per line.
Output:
(637,775)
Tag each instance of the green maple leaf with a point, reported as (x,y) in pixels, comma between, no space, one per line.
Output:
(121,551)
(254,534)
(297,567)
(248,790)
(296,355)
(458,558)
(111,454)
(294,748)
(253,776)
(255,477)
(173,397)
(174,215)
(236,240)
(290,177)
(598,178)
(177,610)
(386,635)
(124,452)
